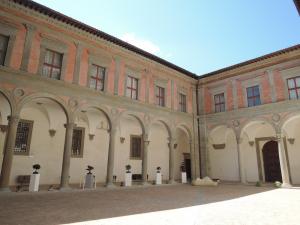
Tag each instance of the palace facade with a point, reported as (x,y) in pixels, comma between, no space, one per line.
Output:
(72,96)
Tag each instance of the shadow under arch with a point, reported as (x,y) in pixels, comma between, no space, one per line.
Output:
(58,100)
(185,129)
(132,114)
(261,121)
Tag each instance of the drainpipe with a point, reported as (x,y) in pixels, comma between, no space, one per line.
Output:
(198,127)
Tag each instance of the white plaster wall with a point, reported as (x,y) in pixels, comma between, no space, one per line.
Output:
(128,126)
(158,151)
(44,149)
(95,153)
(182,147)
(249,160)
(292,131)
(224,162)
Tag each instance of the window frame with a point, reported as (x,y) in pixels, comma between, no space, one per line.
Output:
(182,106)
(253,97)
(82,142)
(220,104)
(131,146)
(6,49)
(295,88)
(96,78)
(29,137)
(131,87)
(160,99)
(52,65)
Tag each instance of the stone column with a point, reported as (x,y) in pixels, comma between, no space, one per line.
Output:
(171,160)
(283,162)
(240,161)
(65,173)
(13,122)
(145,162)
(111,157)
(193,161)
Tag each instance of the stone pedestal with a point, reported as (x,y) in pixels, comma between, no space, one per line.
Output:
(183,177)
(158,178)
(128,179)
(89,181)
(34,182)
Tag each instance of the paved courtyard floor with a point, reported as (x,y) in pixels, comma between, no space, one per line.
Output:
(163,205)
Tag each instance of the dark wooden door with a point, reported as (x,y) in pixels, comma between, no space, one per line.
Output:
(187,163)
(271,162)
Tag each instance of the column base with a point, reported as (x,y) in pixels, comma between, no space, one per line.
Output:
(172,182)
(110,185)
(5,189)
(286,185)
(67,188)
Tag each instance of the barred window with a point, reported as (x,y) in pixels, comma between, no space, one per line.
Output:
(78,142)
(135,147)
(52,64)
(132,88)
(97,77)
(294,87)
(23,137)
(3,48)
(160,96)
(182,103)
(219,103)
(253,96)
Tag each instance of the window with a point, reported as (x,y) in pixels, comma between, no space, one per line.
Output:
(97,77)
(23,137)
(52,64)
(132,88)
(77,142)
(135,147)
(294,87)
(160,96)
(219,103)
(253,96)
(3,48)
(182,103)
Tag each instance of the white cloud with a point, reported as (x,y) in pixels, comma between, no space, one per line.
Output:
(144,44)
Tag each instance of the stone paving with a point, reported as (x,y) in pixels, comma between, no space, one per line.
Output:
(157,205)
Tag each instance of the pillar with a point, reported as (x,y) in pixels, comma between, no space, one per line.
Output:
(193,161)
(283,162)
(171,160)
(242,174)
(13,122)
(145,162)
(65,173)
(111,157)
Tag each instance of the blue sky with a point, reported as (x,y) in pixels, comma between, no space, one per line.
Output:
(198,35)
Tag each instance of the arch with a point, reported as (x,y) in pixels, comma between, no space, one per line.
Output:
(185,129)
(58,100)
(11,101)
(287,119)
(132,114)
(260,120)
(164,123)
(102,109)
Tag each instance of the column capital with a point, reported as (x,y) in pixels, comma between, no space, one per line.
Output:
(278,137)
(146,142)
(70,125)
(13,118)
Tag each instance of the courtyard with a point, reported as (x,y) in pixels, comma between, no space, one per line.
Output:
(228,204)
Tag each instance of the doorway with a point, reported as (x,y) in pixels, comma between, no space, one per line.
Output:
(271,162)
(187,164)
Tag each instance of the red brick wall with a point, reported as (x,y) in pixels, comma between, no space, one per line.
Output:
(229,96)
(240,94)
(266,89)
(279,85)
(207,101)
(17,51)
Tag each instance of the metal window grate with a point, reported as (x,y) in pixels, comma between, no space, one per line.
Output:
(136,147)
(77,141)
(22,137)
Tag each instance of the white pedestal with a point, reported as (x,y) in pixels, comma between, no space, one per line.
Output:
(128,179)
(89,181)
(158,178)
(183,177)
(34,182)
